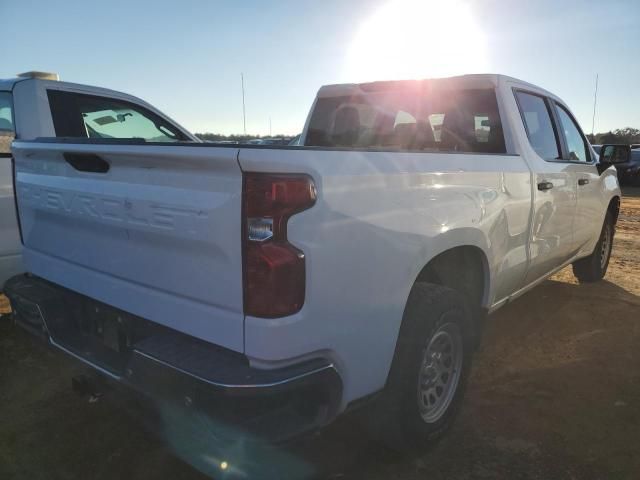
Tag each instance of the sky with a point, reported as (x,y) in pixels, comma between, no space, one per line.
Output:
(186,56)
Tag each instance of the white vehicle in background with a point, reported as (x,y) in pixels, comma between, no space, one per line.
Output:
(20,118)
(10,246)
(280,286)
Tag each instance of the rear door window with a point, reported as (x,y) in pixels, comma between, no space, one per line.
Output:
(89,116)
(7,129)
(415,119)
(537,121)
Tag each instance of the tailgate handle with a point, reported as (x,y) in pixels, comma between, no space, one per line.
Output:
(87,162)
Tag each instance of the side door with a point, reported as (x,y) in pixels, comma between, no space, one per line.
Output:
(554,188)
(589,209)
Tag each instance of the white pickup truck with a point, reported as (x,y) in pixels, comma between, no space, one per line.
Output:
(276,287)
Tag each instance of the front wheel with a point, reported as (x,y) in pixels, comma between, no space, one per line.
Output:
(594,267)
(429,370)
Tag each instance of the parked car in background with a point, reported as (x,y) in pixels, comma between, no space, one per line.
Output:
(269,141)
(295,141)
(279,287)
(628,172)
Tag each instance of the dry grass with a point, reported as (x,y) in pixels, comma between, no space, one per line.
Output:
(4,304)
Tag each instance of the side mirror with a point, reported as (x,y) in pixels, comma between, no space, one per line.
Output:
(612,154)
(615,154)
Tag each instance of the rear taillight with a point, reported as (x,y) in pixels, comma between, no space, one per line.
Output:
(274,270)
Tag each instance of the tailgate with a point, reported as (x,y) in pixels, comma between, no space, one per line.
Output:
(157,234)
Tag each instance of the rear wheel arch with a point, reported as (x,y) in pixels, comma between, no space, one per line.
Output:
(463,268)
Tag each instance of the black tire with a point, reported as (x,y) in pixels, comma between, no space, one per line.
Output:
(594,267)
(396,418)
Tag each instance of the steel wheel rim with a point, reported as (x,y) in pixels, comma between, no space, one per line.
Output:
(440,372)
(605,246)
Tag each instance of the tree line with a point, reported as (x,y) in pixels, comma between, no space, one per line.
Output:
(625,135)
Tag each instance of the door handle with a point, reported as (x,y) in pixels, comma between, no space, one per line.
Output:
(87,162)
(542,186)
(583,181)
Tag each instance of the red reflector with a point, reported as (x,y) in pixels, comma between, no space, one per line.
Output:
(274,280)
(274,270)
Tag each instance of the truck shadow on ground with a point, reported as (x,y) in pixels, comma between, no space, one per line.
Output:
(551,396)
(553,379)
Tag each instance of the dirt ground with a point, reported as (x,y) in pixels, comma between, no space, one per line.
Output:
(554,394)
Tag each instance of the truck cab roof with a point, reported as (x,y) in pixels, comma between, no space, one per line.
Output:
(6,84)
(31,87)
(482,80)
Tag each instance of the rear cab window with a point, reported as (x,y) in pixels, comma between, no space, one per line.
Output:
(7,129)
(78,115)
(411,118)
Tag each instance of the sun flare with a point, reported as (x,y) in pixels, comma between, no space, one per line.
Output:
(417,39)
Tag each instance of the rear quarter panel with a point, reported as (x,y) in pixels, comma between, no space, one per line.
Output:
(380,217)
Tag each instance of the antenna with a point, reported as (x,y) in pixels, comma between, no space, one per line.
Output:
(244,115)
(269,126)
(595,99)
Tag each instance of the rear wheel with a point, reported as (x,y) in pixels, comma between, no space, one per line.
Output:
(429,370)
(594,267)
